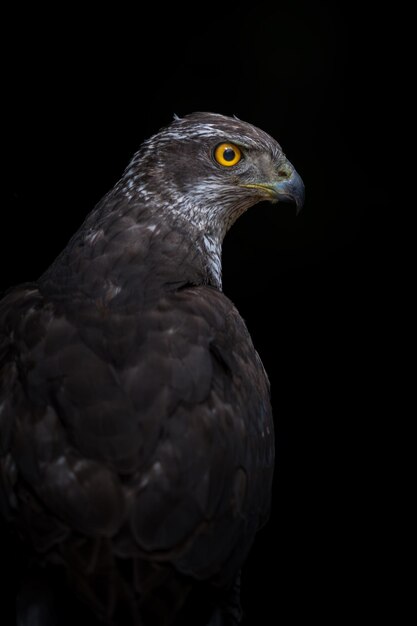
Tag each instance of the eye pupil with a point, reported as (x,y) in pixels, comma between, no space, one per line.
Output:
(229,154)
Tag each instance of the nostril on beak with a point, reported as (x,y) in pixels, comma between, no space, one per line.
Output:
(284,172)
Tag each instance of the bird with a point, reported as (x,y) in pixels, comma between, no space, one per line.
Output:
(136,427)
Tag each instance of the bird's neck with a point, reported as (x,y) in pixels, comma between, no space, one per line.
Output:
(203,241)
(212,251)
(133,255)
(182,212)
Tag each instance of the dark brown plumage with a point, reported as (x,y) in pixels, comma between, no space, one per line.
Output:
(137,450)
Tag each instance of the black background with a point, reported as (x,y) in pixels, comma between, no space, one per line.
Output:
(84,91)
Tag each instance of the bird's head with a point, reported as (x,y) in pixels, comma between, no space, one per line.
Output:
(209,169)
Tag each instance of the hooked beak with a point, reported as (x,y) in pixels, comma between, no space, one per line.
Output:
(287,187)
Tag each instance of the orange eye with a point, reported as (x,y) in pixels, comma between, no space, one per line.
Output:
(227,154)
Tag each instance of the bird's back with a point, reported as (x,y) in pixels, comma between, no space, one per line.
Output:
(136,448)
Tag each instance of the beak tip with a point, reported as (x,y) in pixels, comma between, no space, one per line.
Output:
(293,190)
(299,199)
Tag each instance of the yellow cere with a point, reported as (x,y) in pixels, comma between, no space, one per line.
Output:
(227,154)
